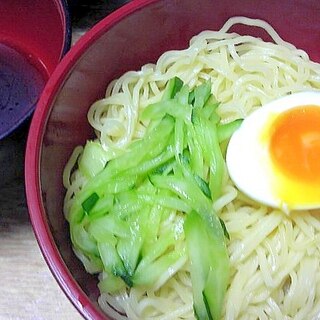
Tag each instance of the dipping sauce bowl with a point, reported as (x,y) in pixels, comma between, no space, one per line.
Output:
(34,36)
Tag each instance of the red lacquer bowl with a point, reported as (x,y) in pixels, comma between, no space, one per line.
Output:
(135,34)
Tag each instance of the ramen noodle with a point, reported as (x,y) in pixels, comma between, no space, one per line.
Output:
(275,272)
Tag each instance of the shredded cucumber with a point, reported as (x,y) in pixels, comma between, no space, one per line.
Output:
(89,203)
(173,86)
(178,165)
(225,131)
(210,265)
(93,159)
(111,283)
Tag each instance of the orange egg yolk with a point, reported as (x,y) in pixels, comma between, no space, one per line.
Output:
(295,144)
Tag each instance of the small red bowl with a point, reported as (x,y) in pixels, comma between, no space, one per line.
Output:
(136,34)
(34,35)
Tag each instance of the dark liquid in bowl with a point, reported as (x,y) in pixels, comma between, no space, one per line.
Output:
(21,83)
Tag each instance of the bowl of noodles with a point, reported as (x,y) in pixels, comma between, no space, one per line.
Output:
(126,179)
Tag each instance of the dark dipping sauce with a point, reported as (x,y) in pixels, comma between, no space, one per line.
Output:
(22,79)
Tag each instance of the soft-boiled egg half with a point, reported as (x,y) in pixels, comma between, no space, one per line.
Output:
(274,157)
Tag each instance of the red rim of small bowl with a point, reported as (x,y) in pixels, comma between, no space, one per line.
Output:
(32,162)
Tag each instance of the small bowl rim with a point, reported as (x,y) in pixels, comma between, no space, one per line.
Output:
(36,209)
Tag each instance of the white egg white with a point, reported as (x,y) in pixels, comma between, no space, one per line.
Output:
(248,159)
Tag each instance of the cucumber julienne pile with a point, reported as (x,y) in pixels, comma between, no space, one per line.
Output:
(119,220)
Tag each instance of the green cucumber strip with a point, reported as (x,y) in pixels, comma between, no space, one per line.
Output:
(210,108)
(224,228)
(212,103)
(207,305)
(140,150)
(76,213)
(191,97)
(202,94)
(209,266)
(213,301)
(203,185)
(129,251)
(129,248)
(127,203)
(153,164)
(83,240)
(147,274)
(90,202)
(179,135)
(91,263)
(217,166)
(183,96)
(165,168)
(102,228)
(206,132)
(188,174)
(187,190)
(140,199)
(172,202)
(112,262)
(121,182)
(170,107)
(111,284)
(225,131)
(102,207)
(195,151)
(159,247)
(93,159)
(151,234)
(173,86)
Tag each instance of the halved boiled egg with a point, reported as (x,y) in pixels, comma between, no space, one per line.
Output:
(274,157)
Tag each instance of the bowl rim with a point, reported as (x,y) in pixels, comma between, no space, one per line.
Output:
(36,209)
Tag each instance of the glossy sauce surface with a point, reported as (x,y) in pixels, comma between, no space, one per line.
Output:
(22,79)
